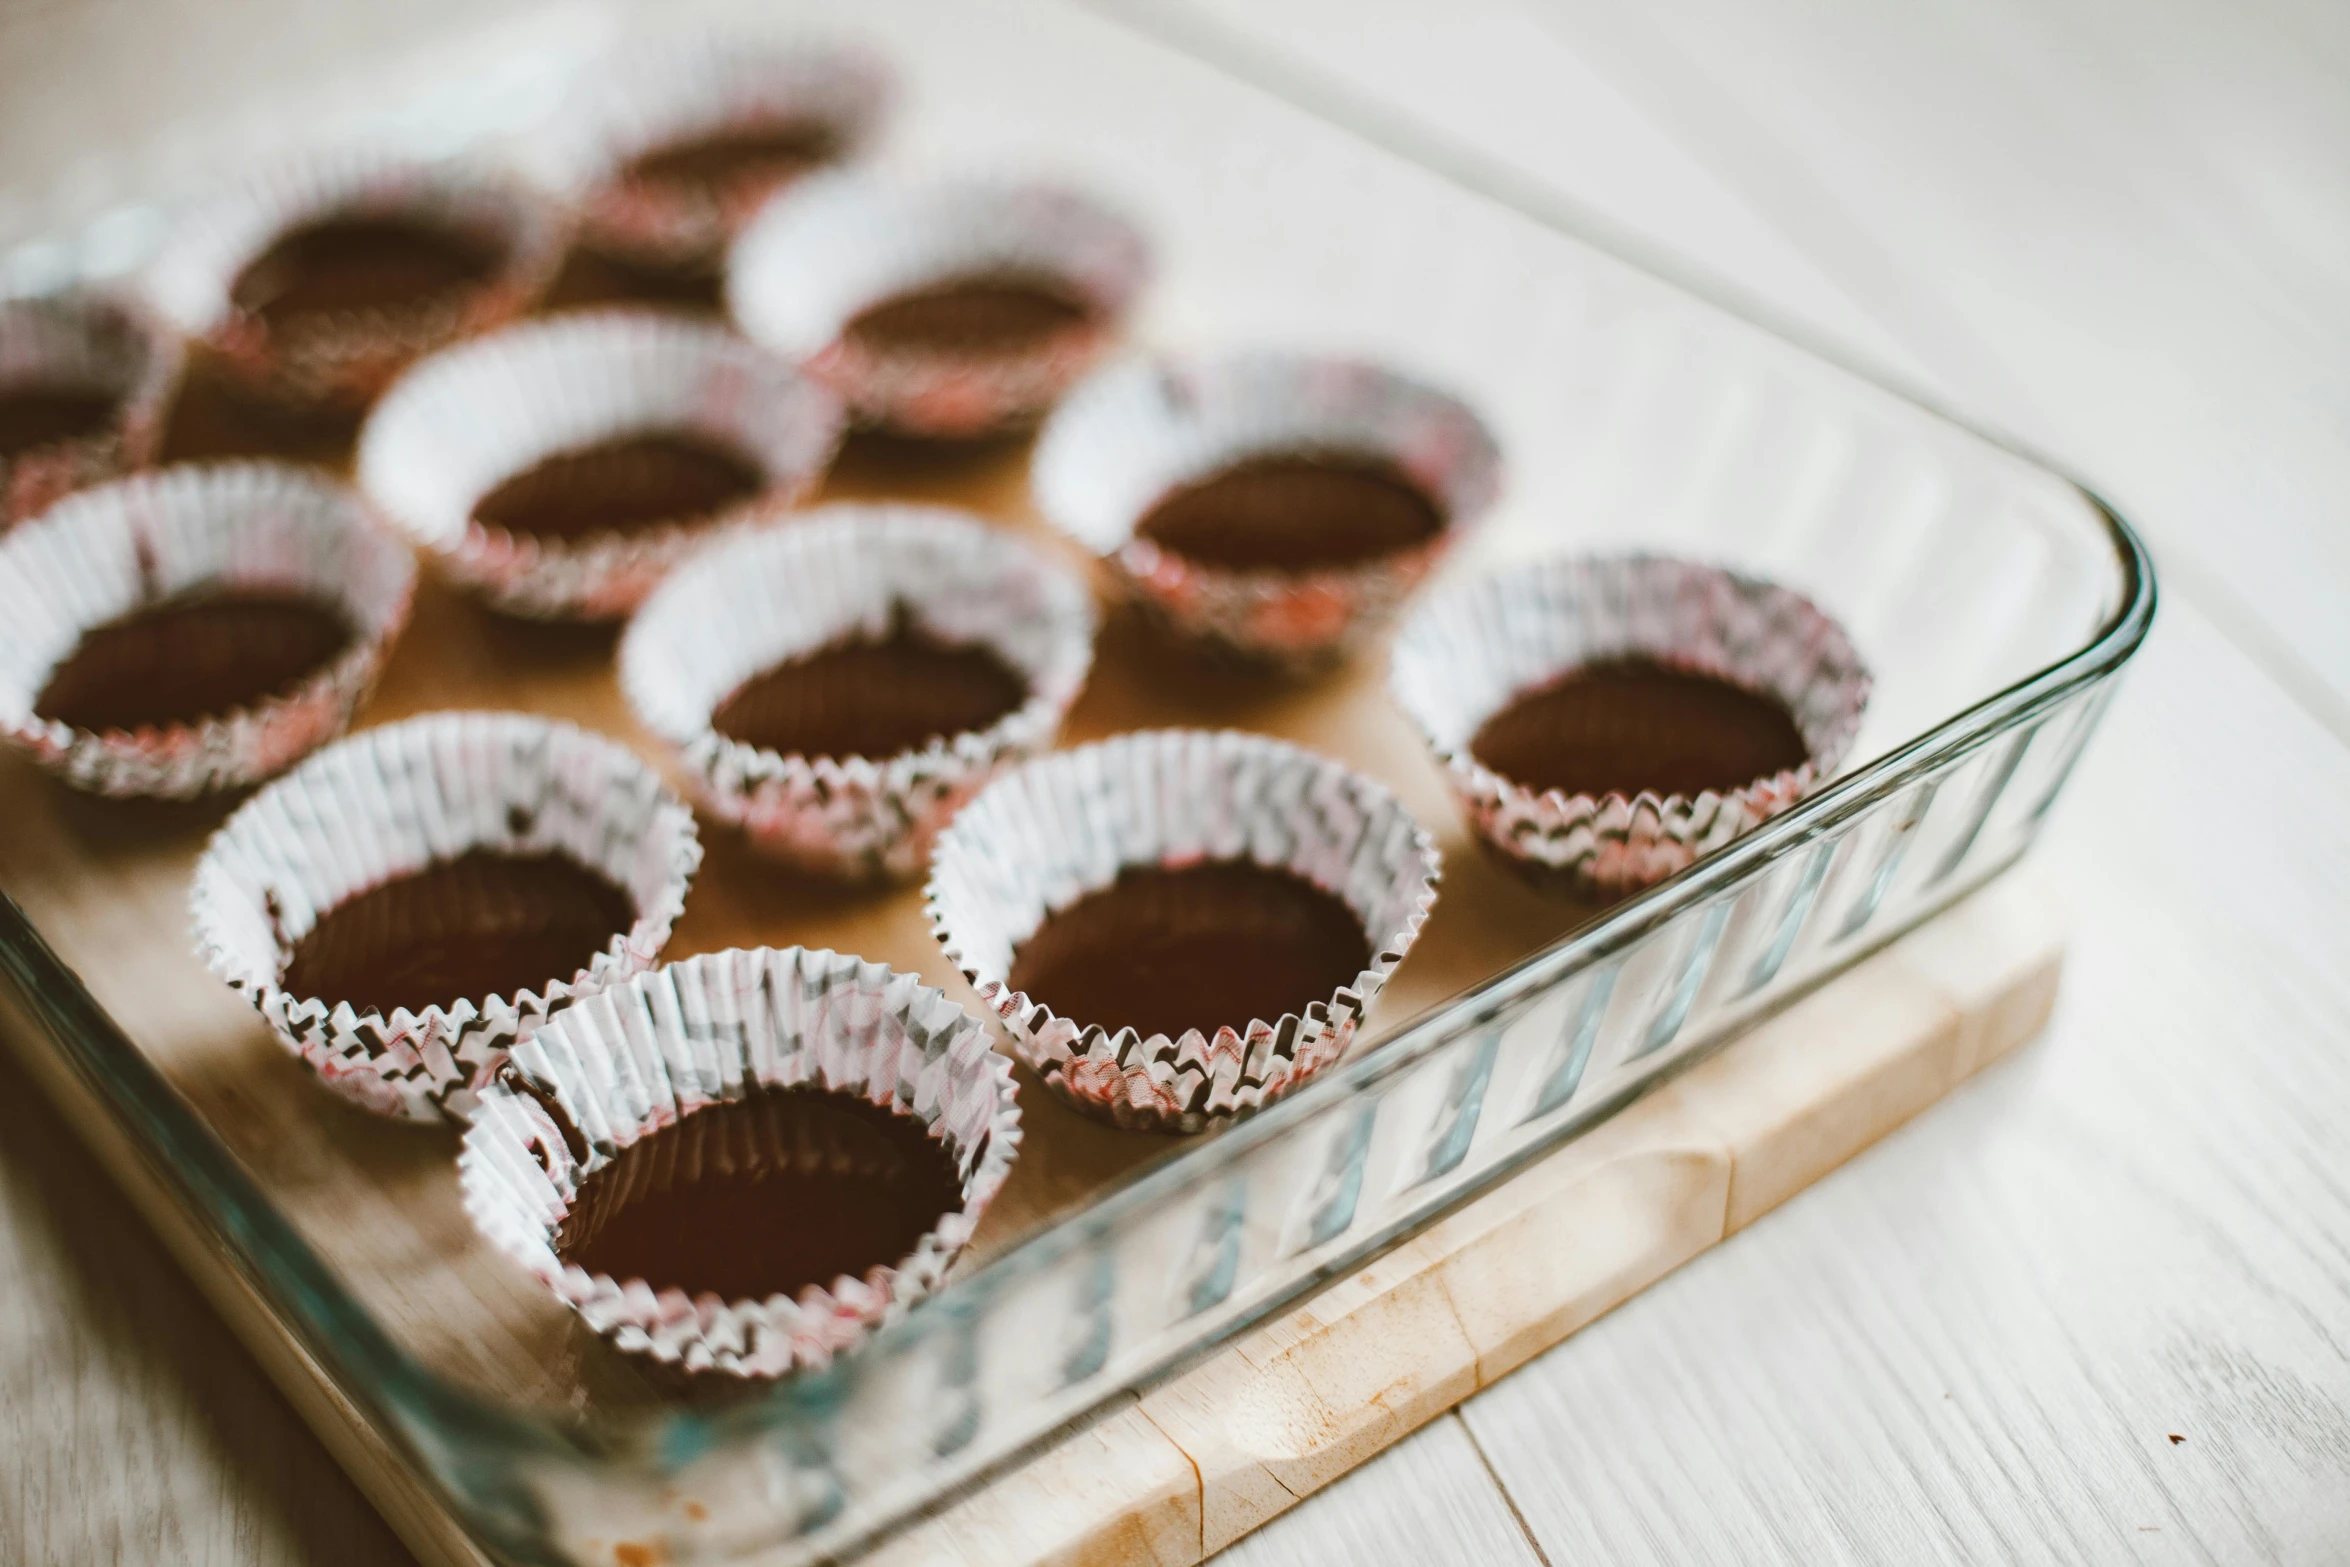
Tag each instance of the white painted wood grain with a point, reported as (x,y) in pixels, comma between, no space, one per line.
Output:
(1426,1499)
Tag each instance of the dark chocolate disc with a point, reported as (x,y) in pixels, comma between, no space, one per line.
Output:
(1293,513)
(39,414)
(1628,725)
(622,486)
(1201,946)
(764,1196)
(968,316)
(193,658)
(872,699)
(483,924)
(737,164)
(355,263)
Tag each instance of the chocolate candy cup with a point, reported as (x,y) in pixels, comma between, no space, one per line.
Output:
(466,422)
(1046,834)
(809,271)
(713,1031)
(1140,432)
(391,803)
(181,535)
(85,383)
(499,245)
(842,576)
(1471,650)
(672,143)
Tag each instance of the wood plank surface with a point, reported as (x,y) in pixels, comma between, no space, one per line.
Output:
(2188,1088)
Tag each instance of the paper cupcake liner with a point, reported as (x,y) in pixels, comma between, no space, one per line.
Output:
(1055,829)
(647,94)
(1469,651)
(854,572)
(1138,430)
(86,343)
(390,802)
(712,1029)
(344,362)
(838,243)
(464,420)
(102,553)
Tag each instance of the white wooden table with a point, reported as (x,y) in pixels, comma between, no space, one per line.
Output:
(2097,1306)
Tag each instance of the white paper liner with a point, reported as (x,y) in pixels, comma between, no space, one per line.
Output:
(101,553)
(647,93)
(850,572)
(464,420)
(1137,430)
(1470,650)
(711,1029)
(88,343)
(1049,832)
(839,242)
(388,803)
(345,362)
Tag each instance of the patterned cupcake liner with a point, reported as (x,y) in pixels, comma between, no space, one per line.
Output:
(1047,833)
(854,572)
(345,361)
(838,243)
(711,1030)
(84,342)
(464,420)
(650,94)
(1137,430)
(387,804)
(102,553)
(1470,650)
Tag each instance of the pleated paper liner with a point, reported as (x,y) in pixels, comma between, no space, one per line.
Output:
(85,385)
(525,407)
(445,249)
(1054,830)
(670,143)
(173,696)
(1144,431)
(713,1060)
(1472,649)
(422,814)
(903,590)
(1050,272)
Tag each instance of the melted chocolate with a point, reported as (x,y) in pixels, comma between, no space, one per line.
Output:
(39,415)
(872,699)
(1293,513)
(355,264)
(764,1196)
(483,924)
(622,486)
(1204,946)
(1628,725)
(968,316)
(738,163)
(192,658)
(595,277)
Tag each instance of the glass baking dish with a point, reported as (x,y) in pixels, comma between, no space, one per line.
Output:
(1994,599)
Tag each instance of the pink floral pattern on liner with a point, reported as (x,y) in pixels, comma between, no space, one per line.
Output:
(345,362)
(1135,431)
(1466,653)
(463,421)
(389,802)
(1046,833)
(854,571)
(838,243)
(85,341)
(648,1054)
(104,552)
